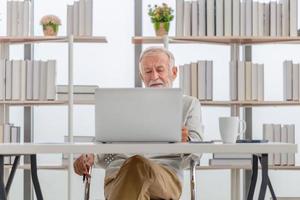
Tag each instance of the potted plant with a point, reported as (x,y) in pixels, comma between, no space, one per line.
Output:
(161,16)
(50,25)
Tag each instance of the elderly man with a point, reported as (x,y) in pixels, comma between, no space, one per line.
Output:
(136,177)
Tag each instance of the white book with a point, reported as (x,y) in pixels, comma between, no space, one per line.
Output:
(23,79)
(219,17)
(89,17)
(230,162)
(228,17)
(81,17)
(36,80)
(255,18)
(260,83)
(187,79)
(76,18)
(43,80)
(51,80)
(2,79)
(20,17)
(6,139)
(29,79)
(233,80)
(268,134)
(261,10)
(16,79)
(291,139)
(295,82)
(8,80)
(179,17)
(285,18)
(26,18)
(293,17)
(241,81)
(202,17)
(279,20)
(210,17)
(243,18)
(287,80)
(9,18)
(201,80)
(277,135)
(248,82)
(187,18)
(1,133)
(273,18)
(194,18)
(194,80)
(299,81)
(254,77)
(267,19)
(14,18)
(236,17)
(181,76)
(209,80)
(284,139)
(70,18)
(248,17)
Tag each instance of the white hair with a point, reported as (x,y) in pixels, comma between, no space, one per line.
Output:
(150,50)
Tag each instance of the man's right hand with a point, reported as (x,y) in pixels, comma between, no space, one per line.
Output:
(83,164)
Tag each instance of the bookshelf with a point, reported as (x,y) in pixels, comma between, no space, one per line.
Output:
(250,103)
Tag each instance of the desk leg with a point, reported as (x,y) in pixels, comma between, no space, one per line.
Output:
(264,176)
(34,177)
(265,165)
(2,187)
(253,178)
(193,179)
(12,174)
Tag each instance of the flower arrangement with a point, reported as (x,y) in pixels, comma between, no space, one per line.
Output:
(50,25)
(161,16)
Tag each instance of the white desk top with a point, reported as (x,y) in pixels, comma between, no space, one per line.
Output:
(144,148)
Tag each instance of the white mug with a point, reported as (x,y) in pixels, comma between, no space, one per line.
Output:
(230,128)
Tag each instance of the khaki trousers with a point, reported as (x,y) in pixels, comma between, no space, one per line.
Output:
(142,179)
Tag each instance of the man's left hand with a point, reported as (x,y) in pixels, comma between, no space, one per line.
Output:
(185,134)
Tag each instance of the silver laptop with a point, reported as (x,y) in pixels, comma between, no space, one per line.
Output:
(138,115)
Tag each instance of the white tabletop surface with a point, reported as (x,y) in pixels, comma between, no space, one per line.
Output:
(144,148)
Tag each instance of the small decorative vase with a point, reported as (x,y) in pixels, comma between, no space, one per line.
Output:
(50,29)
(162,29)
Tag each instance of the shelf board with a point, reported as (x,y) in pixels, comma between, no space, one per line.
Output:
(46,103)
(221,40)
(246,167)
(51,39)
(249,103)
(65,167)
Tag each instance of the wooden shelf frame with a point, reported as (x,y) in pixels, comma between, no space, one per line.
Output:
(249,103)
(51,39)
(217,40)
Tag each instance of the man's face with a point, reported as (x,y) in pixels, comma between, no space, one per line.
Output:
(156,72)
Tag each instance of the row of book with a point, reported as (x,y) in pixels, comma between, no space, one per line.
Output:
(80,18)
(246,81)
(18,18)
(196,79)
(280,133)
(9,134)
(236,18)
(27,80)
(291,81)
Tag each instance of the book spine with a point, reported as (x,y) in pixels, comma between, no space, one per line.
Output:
(254,18)
(233,80)
(241,81)
(268,134)
(179,17)
(293,17)
(194,18)
(70,18)
(248,17)
(209,80)
(210,8)
(201,80)
(228,17)
(89,17)
(8,80)
(236,18)
(279,20)
(202,17)
(219,17)
(273,18)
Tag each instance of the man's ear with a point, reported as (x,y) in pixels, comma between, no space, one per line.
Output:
(174,72)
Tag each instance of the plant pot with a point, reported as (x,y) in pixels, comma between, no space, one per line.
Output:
(50,29)
(162,29)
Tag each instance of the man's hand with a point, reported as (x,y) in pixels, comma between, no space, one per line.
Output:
(185,134)
(83,164)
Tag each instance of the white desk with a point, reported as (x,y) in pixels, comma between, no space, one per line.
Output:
(259,152)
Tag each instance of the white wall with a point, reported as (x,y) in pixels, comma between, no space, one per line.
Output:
(112,65)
